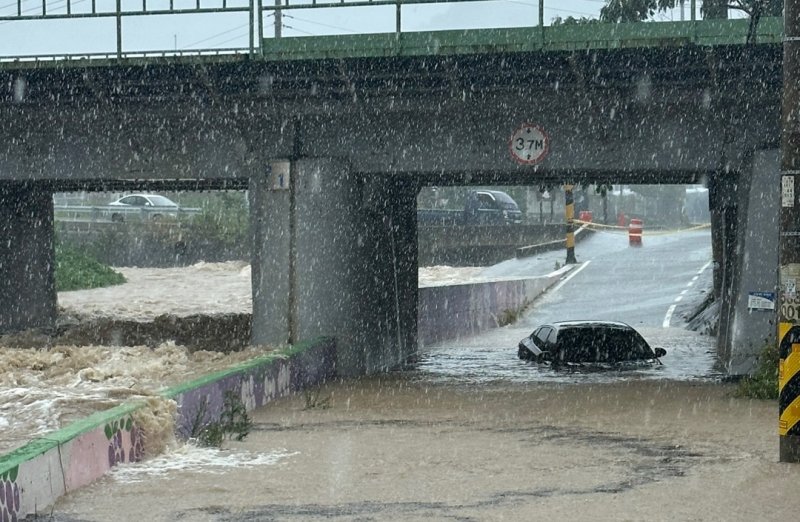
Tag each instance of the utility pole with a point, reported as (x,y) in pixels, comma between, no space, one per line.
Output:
(789,270)
(278,19)
(569,211)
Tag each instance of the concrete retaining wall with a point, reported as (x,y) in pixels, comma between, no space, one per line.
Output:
(450,312)
(37,474)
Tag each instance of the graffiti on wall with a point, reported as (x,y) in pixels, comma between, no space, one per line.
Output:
(9,495)
(116,447)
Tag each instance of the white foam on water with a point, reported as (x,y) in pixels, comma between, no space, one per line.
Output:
(42,390)
(189,457)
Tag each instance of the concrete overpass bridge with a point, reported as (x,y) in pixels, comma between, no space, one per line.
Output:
(334,136)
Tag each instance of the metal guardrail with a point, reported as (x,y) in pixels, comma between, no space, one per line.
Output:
(114,213)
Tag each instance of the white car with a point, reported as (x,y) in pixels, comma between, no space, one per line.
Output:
(148,206)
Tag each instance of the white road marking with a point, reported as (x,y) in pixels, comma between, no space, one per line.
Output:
(668,317)
(570,276)
(671,309)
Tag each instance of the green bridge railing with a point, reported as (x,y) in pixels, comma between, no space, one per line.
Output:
(254,13)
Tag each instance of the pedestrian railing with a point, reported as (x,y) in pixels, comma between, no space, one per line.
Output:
(114,213)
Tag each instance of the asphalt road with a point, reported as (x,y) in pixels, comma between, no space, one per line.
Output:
(651,287)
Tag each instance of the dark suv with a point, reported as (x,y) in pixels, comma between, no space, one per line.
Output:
(580,342)
(491,207)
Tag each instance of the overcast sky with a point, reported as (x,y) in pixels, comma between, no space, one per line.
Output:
(186,32)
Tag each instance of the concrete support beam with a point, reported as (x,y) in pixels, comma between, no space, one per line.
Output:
(271,232)
(337,255)
(744,210)
(27,257)
(752,267)
(723,188)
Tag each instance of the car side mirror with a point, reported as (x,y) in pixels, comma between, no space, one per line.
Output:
(660,352)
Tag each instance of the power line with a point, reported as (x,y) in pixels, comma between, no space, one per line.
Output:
(286,26)
(216,35)
(320,23)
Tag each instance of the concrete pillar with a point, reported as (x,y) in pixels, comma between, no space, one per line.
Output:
(270,204)
(724,195)
(750,329)
(27,258)
(336,256)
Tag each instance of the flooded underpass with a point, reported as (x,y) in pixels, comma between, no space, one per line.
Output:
(402,448)
(470,432)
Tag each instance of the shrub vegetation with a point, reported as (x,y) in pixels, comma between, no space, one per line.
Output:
(76,270)
(763,384)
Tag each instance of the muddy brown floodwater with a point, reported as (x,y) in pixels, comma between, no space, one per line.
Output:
(401,448)
(164,326)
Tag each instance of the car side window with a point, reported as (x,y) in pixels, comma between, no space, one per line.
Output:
(551,337)
(485,201)
(540,337)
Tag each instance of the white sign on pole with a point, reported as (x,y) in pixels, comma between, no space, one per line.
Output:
(787,191)
(529,144)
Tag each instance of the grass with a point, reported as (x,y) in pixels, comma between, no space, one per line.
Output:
(763,384)
(314,401)
(76,270)
(511,315)
(234,423)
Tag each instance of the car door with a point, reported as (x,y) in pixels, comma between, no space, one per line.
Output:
(544,341)
(533,343)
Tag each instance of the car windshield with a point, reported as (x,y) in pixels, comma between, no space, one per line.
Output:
(161,201)
(504,201)
(594,344)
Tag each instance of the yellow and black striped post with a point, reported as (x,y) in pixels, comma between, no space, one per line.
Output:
(789,275)
(789,390)
(569,210)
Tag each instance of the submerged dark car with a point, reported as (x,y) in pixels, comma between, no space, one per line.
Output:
(577,343)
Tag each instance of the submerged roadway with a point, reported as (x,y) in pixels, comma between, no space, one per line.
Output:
(470,432)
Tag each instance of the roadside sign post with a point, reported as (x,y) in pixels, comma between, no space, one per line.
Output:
(569,209)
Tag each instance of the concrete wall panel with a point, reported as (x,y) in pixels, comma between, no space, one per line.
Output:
(756,262)
(451,312)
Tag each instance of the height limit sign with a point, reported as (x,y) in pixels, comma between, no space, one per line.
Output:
(529,144)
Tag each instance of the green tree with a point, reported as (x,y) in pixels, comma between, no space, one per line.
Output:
(571,20)
(640,10)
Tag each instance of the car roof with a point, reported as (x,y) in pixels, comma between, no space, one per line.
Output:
(590,324)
